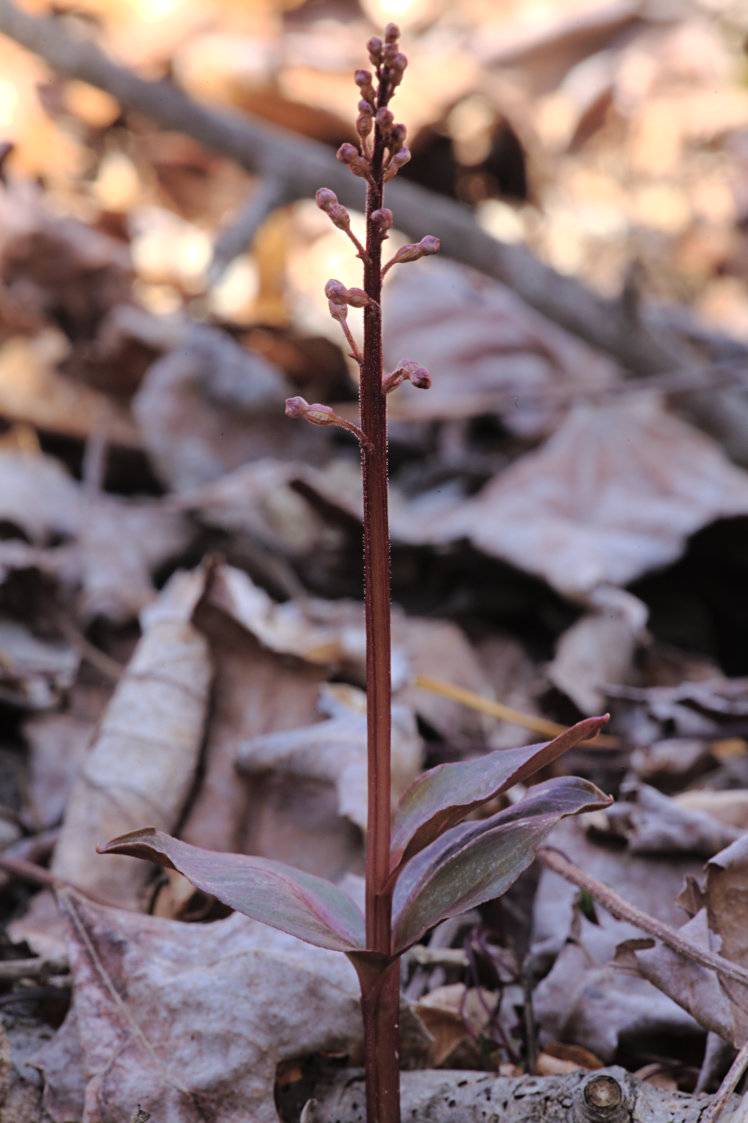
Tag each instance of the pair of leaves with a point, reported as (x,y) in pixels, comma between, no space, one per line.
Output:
(451,866)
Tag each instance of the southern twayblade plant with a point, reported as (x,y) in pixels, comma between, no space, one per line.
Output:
(428,863)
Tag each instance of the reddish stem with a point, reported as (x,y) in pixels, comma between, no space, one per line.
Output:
(379,990)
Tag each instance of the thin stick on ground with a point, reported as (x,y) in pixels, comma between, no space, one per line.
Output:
(623,910)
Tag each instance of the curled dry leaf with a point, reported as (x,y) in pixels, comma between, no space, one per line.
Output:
(720,922)
(613,494)
(191,1021)
(142,761)
(585,997)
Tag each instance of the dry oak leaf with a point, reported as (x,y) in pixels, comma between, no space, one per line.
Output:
(488,351)
(190,1021)
(613,494)
(720,924)
(141,765)
(335,751)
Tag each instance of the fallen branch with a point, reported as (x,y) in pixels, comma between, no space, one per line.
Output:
(609,1095)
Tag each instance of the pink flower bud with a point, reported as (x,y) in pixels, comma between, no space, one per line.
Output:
(296,407)
(325,198)
(363,77)
(374,47)
(382,219)
(413,251)
(364,124)
(319,414)
(338,294)
(335,291)
(385,120)
(407,370)
(398,134)
(391,33)
(359,165)
(399,159)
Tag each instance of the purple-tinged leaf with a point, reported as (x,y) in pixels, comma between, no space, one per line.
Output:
(475,862)
(299,903)
(443,796)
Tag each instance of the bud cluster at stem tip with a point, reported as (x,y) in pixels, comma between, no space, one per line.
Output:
(373,114)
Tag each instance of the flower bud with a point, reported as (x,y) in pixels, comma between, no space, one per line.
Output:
(364,124)
(385,120)
(397,68)
(399,159)
(408,370)
(363,77)
(374,47)
(398,134)
(391,33)
(382,219)
(338,294)
(413,251)
(319,414)
(359,165)
(325,198)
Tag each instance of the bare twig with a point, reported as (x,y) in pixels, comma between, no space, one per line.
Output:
(726,1089)
(238,234)
(14,970)
(301,165)
(623,910)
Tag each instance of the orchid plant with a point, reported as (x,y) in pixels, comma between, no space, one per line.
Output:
(428,862)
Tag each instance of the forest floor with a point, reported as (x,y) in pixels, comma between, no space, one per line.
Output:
(181,622)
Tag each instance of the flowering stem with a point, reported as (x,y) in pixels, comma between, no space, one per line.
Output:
(380,998)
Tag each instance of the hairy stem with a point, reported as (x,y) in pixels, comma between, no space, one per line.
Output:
(380,995)
(380,1004)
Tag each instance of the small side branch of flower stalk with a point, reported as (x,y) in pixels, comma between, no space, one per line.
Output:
(413,251)
(318,414)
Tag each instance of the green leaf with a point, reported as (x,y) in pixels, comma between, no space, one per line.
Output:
(299,903)
(475,862)
(443,796)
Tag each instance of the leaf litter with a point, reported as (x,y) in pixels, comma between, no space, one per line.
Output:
(545,508)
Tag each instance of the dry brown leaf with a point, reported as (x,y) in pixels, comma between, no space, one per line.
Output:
(209,406)
(653,823)
(334,751)
(613,494)
(598,649)
(141,765)
(720,924)
(38,497)
(57,744)
(190,1021)
(585,999)
(123,542)
(487,351)
(34,673)
(257,691)
(112,545)
(454,1015)
(33,392)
